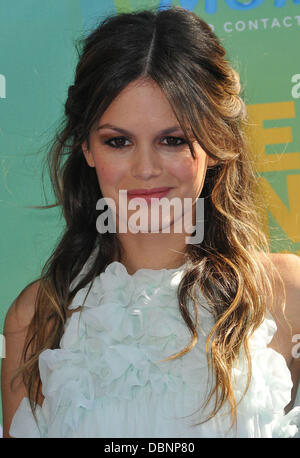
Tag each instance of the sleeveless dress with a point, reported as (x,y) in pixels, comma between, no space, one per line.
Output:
(107,379)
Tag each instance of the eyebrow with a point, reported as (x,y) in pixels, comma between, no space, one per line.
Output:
(169,130)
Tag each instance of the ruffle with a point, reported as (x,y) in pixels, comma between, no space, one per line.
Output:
(23,423)
(113,347)
(112,350)
(270,388)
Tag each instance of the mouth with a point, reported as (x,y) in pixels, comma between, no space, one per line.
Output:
(148,194)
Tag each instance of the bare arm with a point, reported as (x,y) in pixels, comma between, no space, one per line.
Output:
(288,266)
(16,325)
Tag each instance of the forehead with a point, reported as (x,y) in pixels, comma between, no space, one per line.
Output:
(143,107)
(143,100)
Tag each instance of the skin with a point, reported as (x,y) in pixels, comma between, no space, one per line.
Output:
(146,160)
(143,110)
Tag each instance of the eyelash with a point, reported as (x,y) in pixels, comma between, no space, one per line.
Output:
(183,141)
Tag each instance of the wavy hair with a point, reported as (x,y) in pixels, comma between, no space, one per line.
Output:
(181,54)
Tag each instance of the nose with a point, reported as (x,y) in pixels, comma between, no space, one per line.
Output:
(146,163)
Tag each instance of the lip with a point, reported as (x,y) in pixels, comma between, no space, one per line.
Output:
(148,191)
(147,194)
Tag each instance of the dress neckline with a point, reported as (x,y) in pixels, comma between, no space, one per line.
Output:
(145,270)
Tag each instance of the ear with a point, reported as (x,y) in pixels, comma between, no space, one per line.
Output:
(87,154)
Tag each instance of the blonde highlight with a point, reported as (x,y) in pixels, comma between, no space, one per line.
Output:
(229,266)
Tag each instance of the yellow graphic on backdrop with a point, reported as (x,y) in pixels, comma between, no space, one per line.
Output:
(260,136)
(288,218)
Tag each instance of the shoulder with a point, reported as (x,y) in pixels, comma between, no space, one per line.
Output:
(21,311)
(287,339)
(288,265)
(288,268)
(16,326)
(283,270)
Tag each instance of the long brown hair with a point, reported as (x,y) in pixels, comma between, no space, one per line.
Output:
(179,51)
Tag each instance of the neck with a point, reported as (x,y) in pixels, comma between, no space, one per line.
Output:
(152,251)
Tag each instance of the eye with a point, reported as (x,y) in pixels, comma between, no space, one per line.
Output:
(119,142)
(173,141)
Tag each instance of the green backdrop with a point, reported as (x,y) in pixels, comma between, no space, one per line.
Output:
(37,61)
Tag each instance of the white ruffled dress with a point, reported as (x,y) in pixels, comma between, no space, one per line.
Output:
(106,379)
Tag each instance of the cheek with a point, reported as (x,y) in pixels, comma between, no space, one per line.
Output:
(108,174)
(188,169)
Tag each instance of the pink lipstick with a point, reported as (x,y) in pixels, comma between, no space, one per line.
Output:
(148,194)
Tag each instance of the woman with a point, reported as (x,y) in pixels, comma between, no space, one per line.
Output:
(147,331)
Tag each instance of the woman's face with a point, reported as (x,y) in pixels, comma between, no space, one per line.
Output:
(138,144)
